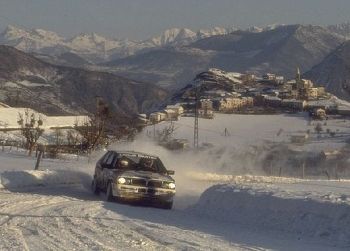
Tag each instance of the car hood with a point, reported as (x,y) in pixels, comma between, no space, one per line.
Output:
(145,175)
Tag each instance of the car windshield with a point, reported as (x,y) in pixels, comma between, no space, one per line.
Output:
(140,163)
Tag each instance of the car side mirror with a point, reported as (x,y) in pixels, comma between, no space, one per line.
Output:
(171,172)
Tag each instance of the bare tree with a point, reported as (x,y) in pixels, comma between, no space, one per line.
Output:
(167,133)
(93,129)
(31,128)
(73,137)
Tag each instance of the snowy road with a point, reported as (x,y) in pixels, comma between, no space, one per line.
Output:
(71,218)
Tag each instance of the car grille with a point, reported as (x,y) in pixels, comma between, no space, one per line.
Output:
(148,183)
(138,182)
(155,183)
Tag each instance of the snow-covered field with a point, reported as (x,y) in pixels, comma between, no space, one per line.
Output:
(9,118)
(218,206)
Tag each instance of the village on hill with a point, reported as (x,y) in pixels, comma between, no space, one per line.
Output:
(217,91)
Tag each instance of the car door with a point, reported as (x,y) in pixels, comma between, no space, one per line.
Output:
(99,169)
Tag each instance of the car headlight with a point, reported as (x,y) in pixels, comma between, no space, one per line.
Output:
(171,185)
(121,180)
(124,181)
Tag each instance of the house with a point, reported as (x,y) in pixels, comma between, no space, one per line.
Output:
(206,104)
(142,118)
(230,104)
(171,114)
(312,93)
(205,113)
(269,76)
(247,101)
(157,117)
(177,108)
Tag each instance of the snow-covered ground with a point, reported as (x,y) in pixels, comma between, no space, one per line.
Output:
(218,206)
(9,118)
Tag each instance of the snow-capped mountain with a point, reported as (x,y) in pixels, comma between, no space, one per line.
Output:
(97,48)
(33,40)
(341,29)
(184,36)
(256,29)
(174,36)
(277,50)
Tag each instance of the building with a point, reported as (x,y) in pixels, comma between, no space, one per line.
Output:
(247,101)
(206,104)
(326,105)
(294,104)
(269,76)
(157,117)
(230,104)
(248,78)
(171,114)
(142,118)
(205,113)
(273,78)
(312,93)
(176,108)
(272,101)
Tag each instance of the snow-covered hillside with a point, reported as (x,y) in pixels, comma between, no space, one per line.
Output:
(9,118)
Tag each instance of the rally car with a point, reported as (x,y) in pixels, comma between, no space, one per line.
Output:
(134,176)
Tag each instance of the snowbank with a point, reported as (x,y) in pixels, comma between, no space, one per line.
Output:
(214,177)
(30,178)
(326,217)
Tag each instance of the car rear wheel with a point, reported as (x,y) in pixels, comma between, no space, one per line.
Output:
(94,187)
(109,193)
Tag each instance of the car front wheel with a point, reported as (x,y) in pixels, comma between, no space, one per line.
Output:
(94,187)
(109,193)
(166,205)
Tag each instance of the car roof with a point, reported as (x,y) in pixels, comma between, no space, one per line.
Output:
(134,153)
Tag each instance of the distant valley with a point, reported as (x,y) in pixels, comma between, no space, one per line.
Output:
(26,81)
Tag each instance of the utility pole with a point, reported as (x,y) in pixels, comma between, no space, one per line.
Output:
(195,136)
(154,130)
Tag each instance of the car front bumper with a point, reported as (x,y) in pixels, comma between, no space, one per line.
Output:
(131,192)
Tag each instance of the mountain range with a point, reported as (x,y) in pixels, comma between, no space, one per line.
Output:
(279,50)
(96,48)
(26,81)
(172,59)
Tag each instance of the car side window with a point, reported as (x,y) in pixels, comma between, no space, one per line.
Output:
(110,159)
(104,159)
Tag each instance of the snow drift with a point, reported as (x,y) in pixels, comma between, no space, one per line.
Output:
(32,178)
(325,217)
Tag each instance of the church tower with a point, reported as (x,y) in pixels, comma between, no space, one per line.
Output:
(298,75)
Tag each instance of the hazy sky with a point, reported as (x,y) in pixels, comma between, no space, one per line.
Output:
(140,19)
